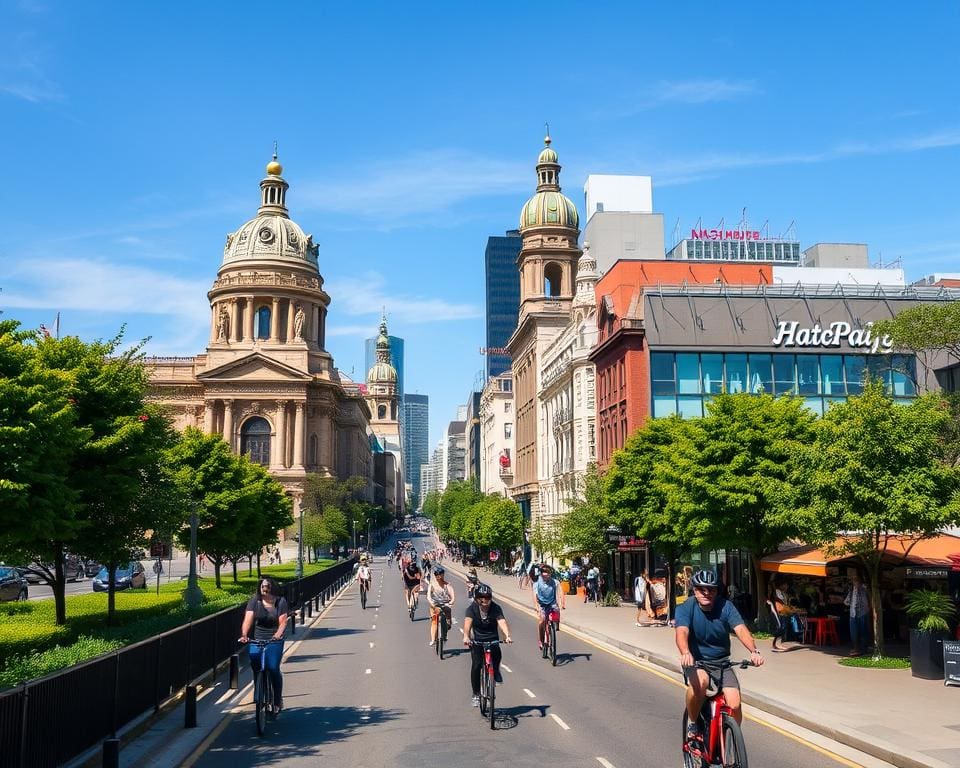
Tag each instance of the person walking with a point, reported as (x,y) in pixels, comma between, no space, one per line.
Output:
(858,601)
(640,594)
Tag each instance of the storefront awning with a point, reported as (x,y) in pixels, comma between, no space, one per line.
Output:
(813,561)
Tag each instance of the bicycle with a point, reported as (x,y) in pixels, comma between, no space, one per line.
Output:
(550,636)
(414,599)
(441,633)
(722,737)
(262,687)
(363,593)
(488,681)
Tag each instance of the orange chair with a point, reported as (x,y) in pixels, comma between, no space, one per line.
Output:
(830,636)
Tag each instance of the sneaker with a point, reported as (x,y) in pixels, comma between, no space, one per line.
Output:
(431,643)
(475,701)
(497,676)
(694,740)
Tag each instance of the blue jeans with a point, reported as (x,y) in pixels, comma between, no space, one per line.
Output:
(859,632)
(271,658)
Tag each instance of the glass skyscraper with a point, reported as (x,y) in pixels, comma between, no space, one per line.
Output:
(503,297)
(416,439)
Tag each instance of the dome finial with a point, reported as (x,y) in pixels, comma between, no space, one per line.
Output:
(546,139)
(273,167)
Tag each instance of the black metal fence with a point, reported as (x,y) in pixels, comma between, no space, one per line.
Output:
(53,719)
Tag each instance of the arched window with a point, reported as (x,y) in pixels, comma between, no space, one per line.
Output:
(312,453)
(393,411)
(552,280)
(255,440)
(381,411)
(263,323)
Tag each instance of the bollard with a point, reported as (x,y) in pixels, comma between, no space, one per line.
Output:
(234,671)
(303,613)
(111,753)
(309,609)
(316,603)
(190,708)
(323,598)
(293,622)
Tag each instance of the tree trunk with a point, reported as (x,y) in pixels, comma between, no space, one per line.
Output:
(671,597)
(111,593)
(259,575)
(235,579)
(250,565)
(876,609)
(764,619)
(59,588)
(217,564)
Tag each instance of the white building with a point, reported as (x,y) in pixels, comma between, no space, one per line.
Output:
(496,434)
(621,223)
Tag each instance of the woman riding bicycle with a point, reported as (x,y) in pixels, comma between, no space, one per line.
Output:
(472,581)
(483,623)
(266,615)
(441,598)
(703,632)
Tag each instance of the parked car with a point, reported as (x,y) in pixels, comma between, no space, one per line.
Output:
(131,576)
(75,569)
(13,585)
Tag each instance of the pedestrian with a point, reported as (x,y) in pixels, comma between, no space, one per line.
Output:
(640,594)
(276,554)
(858,601)
(593,584)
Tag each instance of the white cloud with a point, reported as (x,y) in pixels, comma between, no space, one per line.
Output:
(366,295)
(397,191)
(668,93)
(23,66)
(351,330)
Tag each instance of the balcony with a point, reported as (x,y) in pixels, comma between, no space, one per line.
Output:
(562,467)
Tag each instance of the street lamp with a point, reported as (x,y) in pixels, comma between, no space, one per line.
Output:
(300,545)
(193,595)
(354,535)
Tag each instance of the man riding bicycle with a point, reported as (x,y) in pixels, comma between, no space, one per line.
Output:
(411,581)
(703,635)
(363,573)
(440,596)
(546,589)
(483,623)
(472,582)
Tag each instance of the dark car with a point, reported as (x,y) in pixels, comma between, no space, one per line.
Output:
(74,568)
(13,586)
(131,576)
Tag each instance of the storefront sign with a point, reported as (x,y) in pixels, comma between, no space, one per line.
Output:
(631,544)
(790,334)
(725,234)
(917,572)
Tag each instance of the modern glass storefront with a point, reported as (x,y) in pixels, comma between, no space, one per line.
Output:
(682,382)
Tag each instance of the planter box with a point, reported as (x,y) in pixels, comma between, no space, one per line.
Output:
(567,587)
(581,591)
(926,654)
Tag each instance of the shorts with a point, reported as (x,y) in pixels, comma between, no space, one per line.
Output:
(410,584)
(543,611)
(728,678)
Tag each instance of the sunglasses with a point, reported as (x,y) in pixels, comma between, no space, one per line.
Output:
(705,589)
(484,598)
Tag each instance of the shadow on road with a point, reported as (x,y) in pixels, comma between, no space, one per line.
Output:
(567,658)
(527,710)
(323,632)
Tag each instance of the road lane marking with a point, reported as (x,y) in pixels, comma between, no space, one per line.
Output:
(605,763)
(367,672)
(374,626)
(530,693)
(560,722)
(371,645)
(502,665)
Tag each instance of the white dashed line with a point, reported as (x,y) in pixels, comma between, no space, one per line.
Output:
(530,693)
(371,645)
(374,626)
(560,722)
(605,763)
(503,666)
(368,671)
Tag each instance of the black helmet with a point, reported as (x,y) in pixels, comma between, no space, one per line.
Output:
(473,578)
(438,571)
(483,590)
(704,578)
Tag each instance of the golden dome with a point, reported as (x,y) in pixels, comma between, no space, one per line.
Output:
(274,168)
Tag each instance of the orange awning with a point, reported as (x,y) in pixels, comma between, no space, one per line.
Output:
(813,561)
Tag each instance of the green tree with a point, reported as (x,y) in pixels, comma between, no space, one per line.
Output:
(647,495)
(583,529)
(39,436)
(501,524)
(875,472)
(737,470)
(268,510)
(431,509)
(929,330)
(455,505)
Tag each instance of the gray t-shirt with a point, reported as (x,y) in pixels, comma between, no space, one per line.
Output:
(266,619)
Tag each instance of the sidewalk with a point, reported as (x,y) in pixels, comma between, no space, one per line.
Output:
(888,714)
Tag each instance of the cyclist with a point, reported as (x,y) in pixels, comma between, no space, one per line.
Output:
(363,573)
(411,581)
(425,560)
(703,634)
(484,622)
(545,592)
(266,615)
(440,596)
(472,581)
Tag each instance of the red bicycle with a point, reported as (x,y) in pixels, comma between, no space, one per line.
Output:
(488,681)
(549,648)
(722,738)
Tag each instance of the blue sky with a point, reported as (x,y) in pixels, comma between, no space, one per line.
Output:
(134,137)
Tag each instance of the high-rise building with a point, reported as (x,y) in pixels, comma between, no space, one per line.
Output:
(416,438)
(474,444)
(503,297)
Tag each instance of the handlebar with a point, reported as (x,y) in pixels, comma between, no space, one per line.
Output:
(259,643)
(719,666)
(485,643)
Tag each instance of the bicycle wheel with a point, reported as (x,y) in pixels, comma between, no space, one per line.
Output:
(734,749)
(545,649)
(260,699)
(552,634)
(363,598)
(690,761)
(441,633)
(491,694)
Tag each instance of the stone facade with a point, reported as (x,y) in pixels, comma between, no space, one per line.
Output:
(496,434)
(265,382)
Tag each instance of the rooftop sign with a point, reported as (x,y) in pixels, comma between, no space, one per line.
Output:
(726,234)
(790,334)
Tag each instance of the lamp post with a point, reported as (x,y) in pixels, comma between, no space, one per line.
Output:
(300,546)
(354,535)
(192,595)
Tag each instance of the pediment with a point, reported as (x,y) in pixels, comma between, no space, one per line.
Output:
(254,367)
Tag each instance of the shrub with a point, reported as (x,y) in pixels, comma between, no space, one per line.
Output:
(931,609)
(611,599)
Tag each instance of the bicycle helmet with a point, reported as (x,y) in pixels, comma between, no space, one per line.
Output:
(438,571)
(472,576)
(483,590)
(705,578)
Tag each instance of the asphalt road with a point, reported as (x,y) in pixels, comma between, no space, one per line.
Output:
(364,689)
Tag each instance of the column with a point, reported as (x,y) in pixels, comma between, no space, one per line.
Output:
(290,310)
(234,320)
(208,416)
(248,319)
(279,457)
(315,323)
(298,424)
(275,321)
(228,422)
(213,322)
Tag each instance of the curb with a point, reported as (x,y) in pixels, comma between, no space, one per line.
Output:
(756,700)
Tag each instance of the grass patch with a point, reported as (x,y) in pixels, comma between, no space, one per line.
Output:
(868,662)
(32,645)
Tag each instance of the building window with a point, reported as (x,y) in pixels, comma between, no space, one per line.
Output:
(255,440)
(507,430)
(553,280)
(263,323)
(381,411)
(312,452)
(507,407)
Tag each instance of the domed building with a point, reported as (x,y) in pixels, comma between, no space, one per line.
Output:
(549,228)
(384,403)
(266,383)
